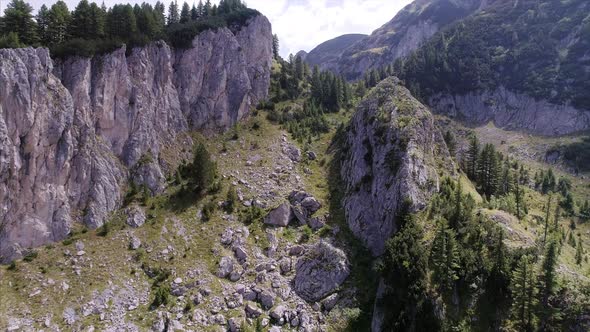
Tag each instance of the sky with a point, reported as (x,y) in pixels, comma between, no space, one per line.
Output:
(300,24)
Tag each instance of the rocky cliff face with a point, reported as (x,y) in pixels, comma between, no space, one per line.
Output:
(326,54)
(413,25)
(393,153)
(512,111)
(71,130)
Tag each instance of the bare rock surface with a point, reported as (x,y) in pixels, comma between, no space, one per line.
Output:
(71,130)
(320,272)
(394,154)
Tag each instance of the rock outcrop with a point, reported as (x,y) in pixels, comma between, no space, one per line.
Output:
(320,272)
(393,153)
(71,130)
(513,111)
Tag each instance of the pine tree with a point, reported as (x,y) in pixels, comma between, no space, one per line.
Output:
(200,9)
(523,293)
(18,18)
(194,13)
(98,21)
(444,258)
(159,16)
(147,23)
(43,24)
(568,204)
(299,68)
(488,170)
(556,218)
(405,271)
(202,170)
(451,142)
(121,22)
(275,46)
(579,253)
(547,215)
(208,9)
(173,16)
(547,282)
(471,157)
(185,13)
(81,21)
(585,211)
(59,21)
(499,279)
(518,197)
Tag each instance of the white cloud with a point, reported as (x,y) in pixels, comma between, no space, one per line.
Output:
(303,24)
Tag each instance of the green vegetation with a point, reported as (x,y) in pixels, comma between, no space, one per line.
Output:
(91,29)
(520,46)
(481,282)
(301,99)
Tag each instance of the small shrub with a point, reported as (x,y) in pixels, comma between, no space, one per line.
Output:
(251,215)
(307,233)
(103,230)
(161,297)
(29,257)
(68,241)
(209,210)
(232,198)
(12,266)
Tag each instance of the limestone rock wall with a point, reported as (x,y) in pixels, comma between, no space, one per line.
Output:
(71,129)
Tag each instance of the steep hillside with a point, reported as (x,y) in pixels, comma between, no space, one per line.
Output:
(524,65)
(72,131)
(393,154)
(412,26)
(326,54)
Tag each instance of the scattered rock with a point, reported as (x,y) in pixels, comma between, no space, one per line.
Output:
(311,155)
(240,253)
(266,299)
(226,266)
(70,316)
(311,204)
(321,271)
(227,236)
(134,243)
(277,312)
(292,152)
(280,216)
(252,310)
(330,302)
(285,264)
(296,250)
(135,216)
(235,324)
(317,223)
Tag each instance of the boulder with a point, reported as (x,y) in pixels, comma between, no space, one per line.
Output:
(134,243)
(280,216)
(311,205)
(135,216)
(320,272)
(252,310)
(226,267)
(292,152)
(266,299)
